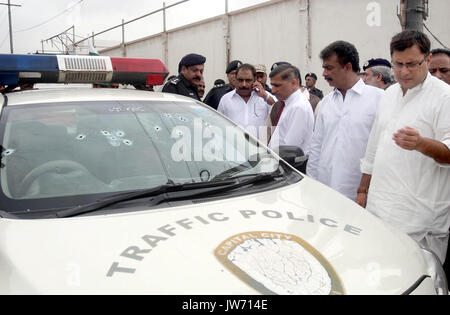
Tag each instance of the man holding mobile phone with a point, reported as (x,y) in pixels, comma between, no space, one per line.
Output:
(249,104)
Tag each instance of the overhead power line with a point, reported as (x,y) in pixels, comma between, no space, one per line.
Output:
(50,19)
(4,40)
(10,23)
(435,37)
(3,19)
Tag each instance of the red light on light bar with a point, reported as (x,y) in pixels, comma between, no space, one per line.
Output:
(155,79)
(138,65)
(139,71)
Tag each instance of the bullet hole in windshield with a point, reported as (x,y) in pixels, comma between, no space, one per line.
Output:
(8,152)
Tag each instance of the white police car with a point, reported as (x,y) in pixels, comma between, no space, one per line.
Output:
(124,191)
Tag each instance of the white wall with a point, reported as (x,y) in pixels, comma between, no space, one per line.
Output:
(269,34)
(205,39)
(278,31)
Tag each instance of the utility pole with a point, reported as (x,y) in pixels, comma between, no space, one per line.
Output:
(227,33)
(412,13)
(10,23)
(414,16)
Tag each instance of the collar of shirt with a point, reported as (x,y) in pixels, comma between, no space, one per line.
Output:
(306,93)
(357,88)
(235,94)
(413,91)
(293,97)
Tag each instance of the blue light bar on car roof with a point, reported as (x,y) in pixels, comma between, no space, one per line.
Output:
(15,67)
(19,69)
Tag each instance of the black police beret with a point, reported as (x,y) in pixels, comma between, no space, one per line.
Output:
(219,82)
(192,60)
(376,62)
(278,64)
(233,66)
(312,75)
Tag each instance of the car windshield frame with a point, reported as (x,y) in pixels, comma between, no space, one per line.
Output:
(187,114)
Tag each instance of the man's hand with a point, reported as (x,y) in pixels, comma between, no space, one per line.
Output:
(363,190)
(407,138)
(361,199)
(259,89)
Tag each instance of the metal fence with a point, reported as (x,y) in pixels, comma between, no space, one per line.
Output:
(68,42)
(277,30)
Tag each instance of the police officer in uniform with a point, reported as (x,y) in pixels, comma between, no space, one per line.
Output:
(261,76)
(311,79)
(378,73)
(215,94)
(190,75)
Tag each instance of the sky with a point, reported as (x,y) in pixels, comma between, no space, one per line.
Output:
(38,20)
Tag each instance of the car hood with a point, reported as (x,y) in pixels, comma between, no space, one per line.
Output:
(300,239)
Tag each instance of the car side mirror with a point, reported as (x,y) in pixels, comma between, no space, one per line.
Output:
(294,156)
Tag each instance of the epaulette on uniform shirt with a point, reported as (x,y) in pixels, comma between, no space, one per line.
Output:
(175,81)
(181,86)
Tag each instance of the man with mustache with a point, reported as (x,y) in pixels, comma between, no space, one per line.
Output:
(311,79)
(440,64)
(249,104)
(201,89)
(218,91)
(406,169)
(261,76)
(190,75)
(344,121)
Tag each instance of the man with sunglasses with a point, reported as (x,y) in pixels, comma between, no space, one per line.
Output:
(406,169)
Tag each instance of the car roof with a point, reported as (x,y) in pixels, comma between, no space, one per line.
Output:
(59,95)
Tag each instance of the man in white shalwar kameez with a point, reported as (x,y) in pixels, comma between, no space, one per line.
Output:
(406,168)
(249,104)
(344,122)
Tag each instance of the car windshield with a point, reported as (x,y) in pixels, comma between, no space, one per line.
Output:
(85,149)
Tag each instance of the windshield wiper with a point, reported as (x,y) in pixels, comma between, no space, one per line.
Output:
(238,182)
(171,192)
(111,200)
(252,162)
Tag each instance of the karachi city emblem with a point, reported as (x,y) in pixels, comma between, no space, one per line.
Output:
(278,263)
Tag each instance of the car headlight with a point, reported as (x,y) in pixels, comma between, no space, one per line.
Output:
(436,272)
